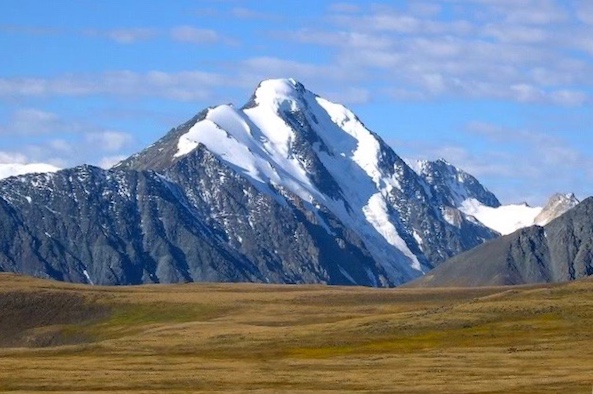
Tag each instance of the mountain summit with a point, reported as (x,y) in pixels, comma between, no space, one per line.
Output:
(289,188)
(454,186)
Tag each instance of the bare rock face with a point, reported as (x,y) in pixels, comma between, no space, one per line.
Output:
(556,206)
(290,188)
(454,185)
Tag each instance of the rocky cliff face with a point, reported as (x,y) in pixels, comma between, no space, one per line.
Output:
(453,185)
(556,206)
(290,188)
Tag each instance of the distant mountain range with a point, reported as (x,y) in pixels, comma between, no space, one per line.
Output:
(289,188)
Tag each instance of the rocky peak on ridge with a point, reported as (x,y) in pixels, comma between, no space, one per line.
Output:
(557,205)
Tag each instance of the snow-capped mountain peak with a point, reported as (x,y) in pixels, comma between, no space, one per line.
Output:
(291,139)
(278,91)
(291,143)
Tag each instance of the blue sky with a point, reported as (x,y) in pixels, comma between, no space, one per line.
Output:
(500,88)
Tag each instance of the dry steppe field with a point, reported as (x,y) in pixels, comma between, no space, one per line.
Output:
(266,338)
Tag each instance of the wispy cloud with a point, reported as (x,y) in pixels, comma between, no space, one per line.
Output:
(344,7)
(484,49)
(109,161)
(251,14)
(585,11)
(30,30)
(12,158)
(32,121)
(124,35)
(109,140)
(183,34)
(273,67)
(45,137)
(194,35)
(183,86)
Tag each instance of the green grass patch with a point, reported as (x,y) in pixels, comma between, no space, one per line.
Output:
(154,313)
(127,318)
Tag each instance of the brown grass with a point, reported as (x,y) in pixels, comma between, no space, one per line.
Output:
(240,337)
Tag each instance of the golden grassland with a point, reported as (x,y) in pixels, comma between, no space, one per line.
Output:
(267,338)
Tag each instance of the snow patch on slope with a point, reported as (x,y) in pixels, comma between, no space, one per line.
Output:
(366,153)
(505,219)
(376,213)
(231,135)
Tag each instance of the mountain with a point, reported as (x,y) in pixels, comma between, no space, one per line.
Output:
(13,169)
(560,251)
(290,188)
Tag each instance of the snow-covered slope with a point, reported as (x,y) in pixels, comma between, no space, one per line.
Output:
(7,170)
(504,219)
(507,219)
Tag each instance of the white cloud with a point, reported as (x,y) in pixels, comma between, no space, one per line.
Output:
(351,95)
(183,86)
(585,11)
(30,30)
(258,68)
(32,121)
(525,50)
(536,12)
(248,13)
(344,7)
(61,145)
(519,164)
(402,23)
(130,36)
(527,93)
(424,9)
(124,35)
(77,142)
(569,97)
(109,141)
(12,157)
(345,39)
(109,161)
(194,35)
(517,33)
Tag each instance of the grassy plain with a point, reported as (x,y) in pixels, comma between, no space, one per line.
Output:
(264,338)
